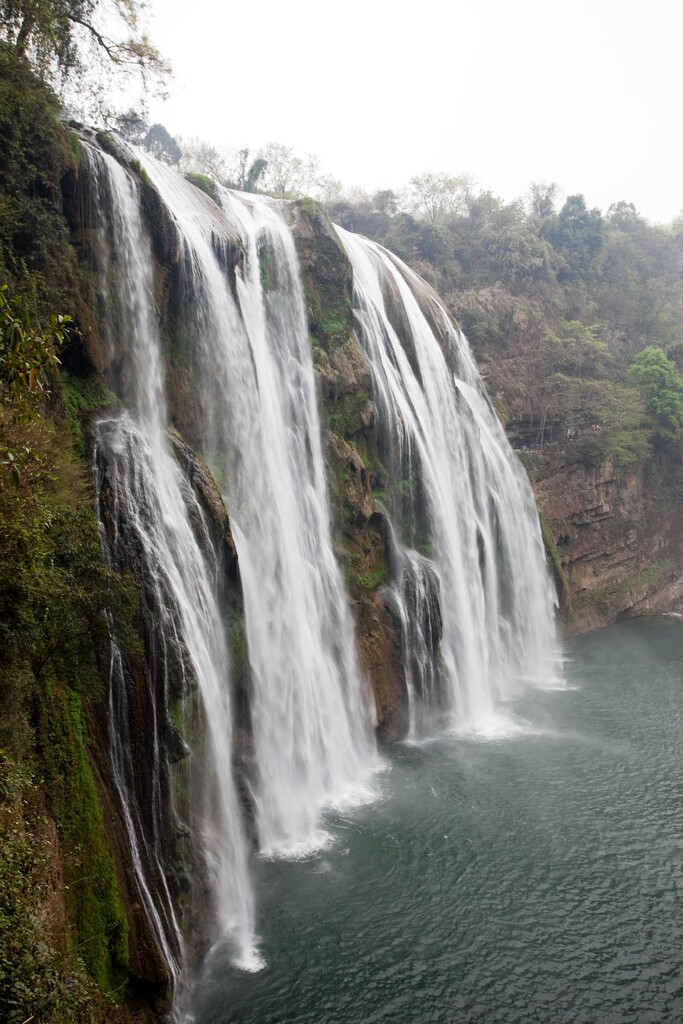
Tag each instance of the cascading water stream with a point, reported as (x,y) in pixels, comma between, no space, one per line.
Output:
(152,511)
(458,493)
(309,708)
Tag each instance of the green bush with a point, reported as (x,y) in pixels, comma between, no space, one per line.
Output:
(28,353)
(661,385)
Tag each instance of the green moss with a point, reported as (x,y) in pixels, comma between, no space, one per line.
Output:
(362,542)
(239,649)
(36,980)
(142,174)
(203,183)
(177,713)
(180,346)
(54,636)
(343,416)
(268,267)
(107,143)
(81,397)
(327,280)
(310,206)
(330,323)
(649,576)
(371,579)
(75,147)
(383,497)
(334,327)
(366,569)
(101,930)
(555,562)
(530,463)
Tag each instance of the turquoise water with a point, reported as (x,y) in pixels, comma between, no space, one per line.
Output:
(533,878)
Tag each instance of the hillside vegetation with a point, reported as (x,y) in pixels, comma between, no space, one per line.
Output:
(575,316)
(63,930)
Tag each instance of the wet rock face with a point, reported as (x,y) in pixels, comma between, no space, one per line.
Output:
(355,472)
(363,548)
(326,274)
(379,630)
(352,481)
(210,522)
(619,539)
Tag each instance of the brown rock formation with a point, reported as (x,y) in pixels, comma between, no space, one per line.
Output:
(619,539)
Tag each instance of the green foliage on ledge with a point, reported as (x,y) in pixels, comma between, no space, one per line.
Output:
(645,578)
(365,579)
(54,637)
(203,183)
(81,397)
(555,562)
(661,385)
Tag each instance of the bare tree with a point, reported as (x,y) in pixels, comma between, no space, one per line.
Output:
(288,173)
(435,196)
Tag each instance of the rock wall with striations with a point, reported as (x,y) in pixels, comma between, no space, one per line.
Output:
(616,540)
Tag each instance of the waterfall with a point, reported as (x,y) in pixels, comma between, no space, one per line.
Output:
(472,596)
(310,708)
(151,519)
(464,521)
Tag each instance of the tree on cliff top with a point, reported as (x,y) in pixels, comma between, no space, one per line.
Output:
(58,36)
(439,196)
(661,385)
(577,234)
(161,144)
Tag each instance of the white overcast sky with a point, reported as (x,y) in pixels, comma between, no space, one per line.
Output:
(587,94)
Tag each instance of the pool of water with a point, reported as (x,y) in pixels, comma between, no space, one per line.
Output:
(537,877)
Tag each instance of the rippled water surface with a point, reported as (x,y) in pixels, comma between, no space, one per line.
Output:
(533,878)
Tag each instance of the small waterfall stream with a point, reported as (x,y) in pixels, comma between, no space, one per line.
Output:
(149,517)
(465,523)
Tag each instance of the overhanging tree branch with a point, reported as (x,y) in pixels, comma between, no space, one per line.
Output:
(50,33)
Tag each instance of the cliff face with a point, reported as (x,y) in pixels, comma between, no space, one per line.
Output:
(611,524)
(617,540)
